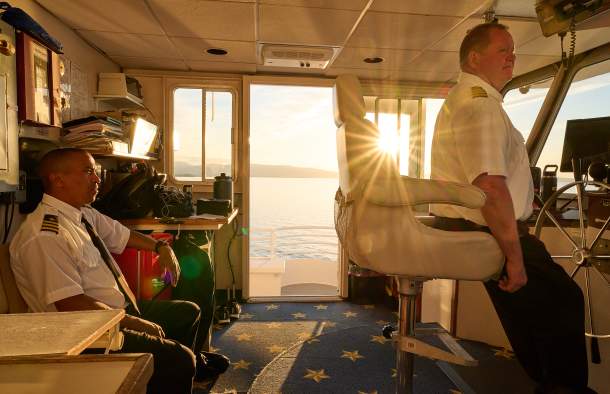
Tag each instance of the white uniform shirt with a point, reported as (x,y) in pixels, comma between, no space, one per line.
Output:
(473,135)
(53,257)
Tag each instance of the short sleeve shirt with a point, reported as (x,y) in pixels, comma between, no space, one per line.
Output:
(473,135)
(53,257)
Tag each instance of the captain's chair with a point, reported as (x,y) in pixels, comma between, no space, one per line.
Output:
(377,227)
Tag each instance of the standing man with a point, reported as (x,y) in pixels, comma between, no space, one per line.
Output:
(540,307)
(61,262)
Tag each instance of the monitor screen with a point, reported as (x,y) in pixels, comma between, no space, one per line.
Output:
(142,136)
(587,140)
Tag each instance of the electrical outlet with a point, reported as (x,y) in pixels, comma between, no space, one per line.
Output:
(20,193)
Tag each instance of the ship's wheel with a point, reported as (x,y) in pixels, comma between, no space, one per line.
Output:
(589,253)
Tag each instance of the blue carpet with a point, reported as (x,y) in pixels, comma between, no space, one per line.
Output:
(337,348)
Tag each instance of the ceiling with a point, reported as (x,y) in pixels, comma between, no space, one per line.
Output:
(418,39)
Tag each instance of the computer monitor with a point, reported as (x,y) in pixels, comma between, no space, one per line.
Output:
(586,141)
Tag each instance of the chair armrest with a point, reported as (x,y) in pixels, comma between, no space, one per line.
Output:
(411,191)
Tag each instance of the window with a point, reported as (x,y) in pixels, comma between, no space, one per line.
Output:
(587,97)
(523,105)
(202,133)
(397,121)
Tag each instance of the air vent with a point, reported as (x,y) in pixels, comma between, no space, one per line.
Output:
(296,56)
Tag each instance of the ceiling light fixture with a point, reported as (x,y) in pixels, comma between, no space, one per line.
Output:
(217,51)
(373,60)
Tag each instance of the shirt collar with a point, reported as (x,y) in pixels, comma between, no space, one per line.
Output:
(65,208)
(473,80)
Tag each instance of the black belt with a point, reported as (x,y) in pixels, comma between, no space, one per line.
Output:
(460,224)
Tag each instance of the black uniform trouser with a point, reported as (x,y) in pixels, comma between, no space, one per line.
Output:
(174,360)
(544,320)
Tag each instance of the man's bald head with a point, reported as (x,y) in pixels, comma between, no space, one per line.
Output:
(57,161)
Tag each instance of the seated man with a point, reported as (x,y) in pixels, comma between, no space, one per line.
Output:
(61,262)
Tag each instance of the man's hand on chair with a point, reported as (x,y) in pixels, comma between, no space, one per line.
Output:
(515,277)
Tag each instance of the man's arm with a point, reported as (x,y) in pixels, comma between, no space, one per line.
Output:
(500,217)
(167,258)
(82,302)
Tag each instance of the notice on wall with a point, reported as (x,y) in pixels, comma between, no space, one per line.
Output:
(80,101)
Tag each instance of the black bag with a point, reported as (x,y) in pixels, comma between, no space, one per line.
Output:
(131,198)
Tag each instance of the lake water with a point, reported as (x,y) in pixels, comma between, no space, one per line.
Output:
(276,203)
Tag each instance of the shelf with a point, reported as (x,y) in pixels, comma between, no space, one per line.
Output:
(121,102)
(151,156)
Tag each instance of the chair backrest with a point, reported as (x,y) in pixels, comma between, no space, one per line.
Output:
(358,153)
(10,298)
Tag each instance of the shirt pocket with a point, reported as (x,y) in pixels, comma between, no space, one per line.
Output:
(90,259)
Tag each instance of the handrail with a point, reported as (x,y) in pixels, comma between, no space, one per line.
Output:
(276,240)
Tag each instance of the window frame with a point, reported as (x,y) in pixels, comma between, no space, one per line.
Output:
(206,85)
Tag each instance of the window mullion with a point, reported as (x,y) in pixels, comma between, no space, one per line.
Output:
(203,122)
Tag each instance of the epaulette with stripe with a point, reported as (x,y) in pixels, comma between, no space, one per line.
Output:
(477,91)
(50,223)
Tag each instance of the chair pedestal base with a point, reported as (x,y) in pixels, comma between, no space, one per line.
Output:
(409,346)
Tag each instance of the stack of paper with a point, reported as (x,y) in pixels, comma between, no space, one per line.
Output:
(96,134)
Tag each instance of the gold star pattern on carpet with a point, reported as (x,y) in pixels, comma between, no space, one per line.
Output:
(349,314)
(321,307)
(369,306)
(504,352)
(382,322)
(275,349)
(299,315)
(243,337)
(317,376)
(379,339)
(271,307)
(241,364)
(273,325)
(351,355)
(246,316)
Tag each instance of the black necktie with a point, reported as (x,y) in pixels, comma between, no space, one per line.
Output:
(112,265)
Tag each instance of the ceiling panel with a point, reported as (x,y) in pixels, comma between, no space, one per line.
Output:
(195,49)
(306,26)
(427,76)
(359,72)
(150,63)
(427,7)
(435,61)
(133,45)
(522,31)
(135,16)
(197,65)
(206,19)
(585,40)
(393,58)
(400,31)
(334,4)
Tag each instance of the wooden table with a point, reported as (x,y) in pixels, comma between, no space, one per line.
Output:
(91,374)
(54,333)
(198,222)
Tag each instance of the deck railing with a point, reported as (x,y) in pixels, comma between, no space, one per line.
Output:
(292,241)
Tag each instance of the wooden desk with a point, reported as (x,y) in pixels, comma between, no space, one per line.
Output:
(91,374)
(199,222)
(59,333)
